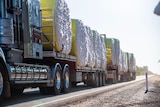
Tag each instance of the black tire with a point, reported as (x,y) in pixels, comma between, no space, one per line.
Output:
(115,79)
(100,79)
(66,81)
(96,81)
(56,88)
(57,81)
(103,79)
(3,83)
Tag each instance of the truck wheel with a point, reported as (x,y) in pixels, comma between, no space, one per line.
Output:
(100,79)
(103,79)
(57,81)
(66,81)
(4,84)
(96,84)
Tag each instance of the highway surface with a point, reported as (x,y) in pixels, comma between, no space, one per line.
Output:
(32,97)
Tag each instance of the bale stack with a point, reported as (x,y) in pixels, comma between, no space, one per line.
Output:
(131,62)
(97,47)
(91,50)
(79,42)
(103,53)
(56,25)
(112,51)
(124,60)
(120,65)
(117,50)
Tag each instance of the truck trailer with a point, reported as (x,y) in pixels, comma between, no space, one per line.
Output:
(33,55)
(120,65)
(24,62)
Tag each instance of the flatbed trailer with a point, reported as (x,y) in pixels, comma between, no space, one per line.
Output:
(115,75)
(89,75)
(112,74)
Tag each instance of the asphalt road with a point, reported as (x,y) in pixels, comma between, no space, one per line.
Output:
(32,97)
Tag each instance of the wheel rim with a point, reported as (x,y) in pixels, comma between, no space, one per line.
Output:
(67,80)
(58,80)
(1,83)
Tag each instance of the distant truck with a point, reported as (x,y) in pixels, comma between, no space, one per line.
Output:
(120,65)
(40,46)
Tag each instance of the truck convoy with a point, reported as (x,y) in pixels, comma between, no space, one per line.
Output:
(41,46)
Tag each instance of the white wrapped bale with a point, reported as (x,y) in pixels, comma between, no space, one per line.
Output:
(63,27)
(90,47)
(97,47)
(112,51)
(125,64)
(117,50)
(56,25)
(79,42)
(120,64)
(103,53)
(131,62)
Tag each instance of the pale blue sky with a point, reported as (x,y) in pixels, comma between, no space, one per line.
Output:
(131,21)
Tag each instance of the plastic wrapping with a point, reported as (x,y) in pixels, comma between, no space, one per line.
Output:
(117,50)
(90,47)
(97,47)
(131,62)
(103,53)
(56,24)
(79,42)
(120,64)
(124,61)
(113,51)
(110,51)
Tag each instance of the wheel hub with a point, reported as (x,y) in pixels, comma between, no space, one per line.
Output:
(66,79)
(58,80)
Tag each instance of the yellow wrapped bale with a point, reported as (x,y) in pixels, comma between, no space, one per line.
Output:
(56,25)
(49,32)
(109,56)
(79,42)
(48,3)
(48,23)
(110,51)
(113,51)
(74,47)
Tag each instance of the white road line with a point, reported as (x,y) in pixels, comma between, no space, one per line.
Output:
(42,104)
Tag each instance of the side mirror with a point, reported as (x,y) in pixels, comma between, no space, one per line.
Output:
(157,9)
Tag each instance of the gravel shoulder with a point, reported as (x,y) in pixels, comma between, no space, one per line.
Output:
(132,95)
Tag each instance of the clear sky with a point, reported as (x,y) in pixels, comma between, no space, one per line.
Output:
(131,21)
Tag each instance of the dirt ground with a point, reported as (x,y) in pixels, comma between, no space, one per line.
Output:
(129,96)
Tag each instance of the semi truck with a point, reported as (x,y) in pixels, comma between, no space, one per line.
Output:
(30,55)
